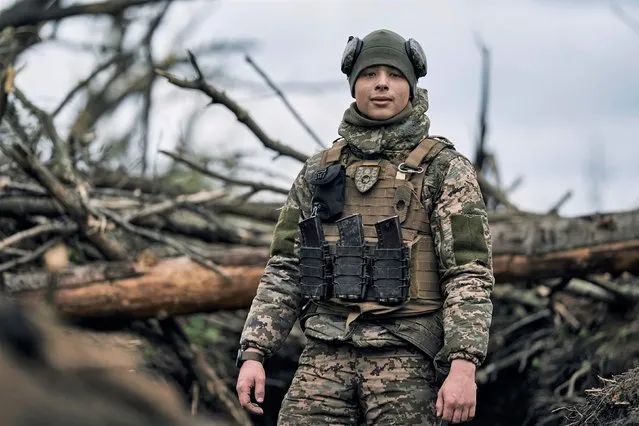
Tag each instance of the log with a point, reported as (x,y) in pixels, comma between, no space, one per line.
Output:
(541,247)
(524,249)
(613,258)
(538,235)
(79,276)
(176,286)
(172,286)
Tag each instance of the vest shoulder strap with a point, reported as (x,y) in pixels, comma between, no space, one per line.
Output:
(333,154)
(424,152)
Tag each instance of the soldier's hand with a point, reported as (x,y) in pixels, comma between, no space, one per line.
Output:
(457,398)
(251,378)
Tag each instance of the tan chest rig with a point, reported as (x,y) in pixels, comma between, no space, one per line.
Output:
(376,190)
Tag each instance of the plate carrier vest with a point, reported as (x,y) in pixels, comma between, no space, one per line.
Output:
(396,190)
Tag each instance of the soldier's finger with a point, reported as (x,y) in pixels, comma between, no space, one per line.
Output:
(449,410)
(439,405)
(457,415)
(260,382)
(464,414)
(471,411)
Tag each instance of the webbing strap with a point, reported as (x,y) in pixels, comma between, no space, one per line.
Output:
(433,152)
(421,151)
(334,152)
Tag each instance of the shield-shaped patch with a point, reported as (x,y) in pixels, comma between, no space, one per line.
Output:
(365,177)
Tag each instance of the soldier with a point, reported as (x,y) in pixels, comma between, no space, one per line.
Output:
(395,329)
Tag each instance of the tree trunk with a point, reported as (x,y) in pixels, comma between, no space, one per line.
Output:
(523,250)
(171,286)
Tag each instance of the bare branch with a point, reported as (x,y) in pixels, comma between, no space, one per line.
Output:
(16,126)
(257,186)
(210,382)
(37,230)
(155,236)
(118,180)
(218,97)
(20,15)
(31,256)
(148,90)
(480,148)
(514,185)
(279,92)
(180,200)
(520,357)
(492,191)
(15,252)
(555,208)
(7,76)
(103,102)
(84,83)
(264,212)
(625,296)
(67,198)
(61,154)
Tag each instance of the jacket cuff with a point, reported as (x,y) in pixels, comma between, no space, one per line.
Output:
(267,352)
(466,356)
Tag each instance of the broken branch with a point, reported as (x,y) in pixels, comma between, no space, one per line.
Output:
(20,15)
(257,186)
(218,97)
(180,200)
(288,105)
(37,230)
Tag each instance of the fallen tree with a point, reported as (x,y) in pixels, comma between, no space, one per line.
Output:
(154,287)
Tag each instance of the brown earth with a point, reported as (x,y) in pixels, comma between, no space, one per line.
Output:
(55,375)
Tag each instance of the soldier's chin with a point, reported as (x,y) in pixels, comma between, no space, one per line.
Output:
(381,113)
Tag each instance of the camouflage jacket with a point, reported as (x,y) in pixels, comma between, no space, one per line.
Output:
(455,204)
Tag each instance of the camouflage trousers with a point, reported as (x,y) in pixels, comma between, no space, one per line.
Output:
(339,384)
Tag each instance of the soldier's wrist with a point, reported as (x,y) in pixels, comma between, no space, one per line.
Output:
(463,365)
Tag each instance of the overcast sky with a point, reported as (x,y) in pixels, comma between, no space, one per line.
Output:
(564,84)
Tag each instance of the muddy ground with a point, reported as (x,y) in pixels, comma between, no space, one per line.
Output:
(585,378)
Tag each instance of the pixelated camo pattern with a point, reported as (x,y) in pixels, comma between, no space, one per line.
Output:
(462,240)
(345,385)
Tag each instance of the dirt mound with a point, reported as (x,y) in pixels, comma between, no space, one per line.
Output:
(51,375)
(615,403)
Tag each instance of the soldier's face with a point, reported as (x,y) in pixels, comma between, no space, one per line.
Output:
(381,92)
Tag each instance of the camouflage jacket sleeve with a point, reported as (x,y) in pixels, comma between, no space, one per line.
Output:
(462,239)
(277,303)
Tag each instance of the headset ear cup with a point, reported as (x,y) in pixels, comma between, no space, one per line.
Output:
(351,51)
(417,57)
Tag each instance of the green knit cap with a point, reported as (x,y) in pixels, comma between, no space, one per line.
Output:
(383,47)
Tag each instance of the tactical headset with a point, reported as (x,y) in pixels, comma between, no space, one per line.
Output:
(413,50)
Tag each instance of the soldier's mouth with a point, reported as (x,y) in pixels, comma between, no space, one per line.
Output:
(381,101)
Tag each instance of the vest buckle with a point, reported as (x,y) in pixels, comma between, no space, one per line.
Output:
(409,170)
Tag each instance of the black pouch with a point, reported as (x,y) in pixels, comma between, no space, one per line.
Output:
(315,272)
(350,272)
(390,275)
(329,186)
